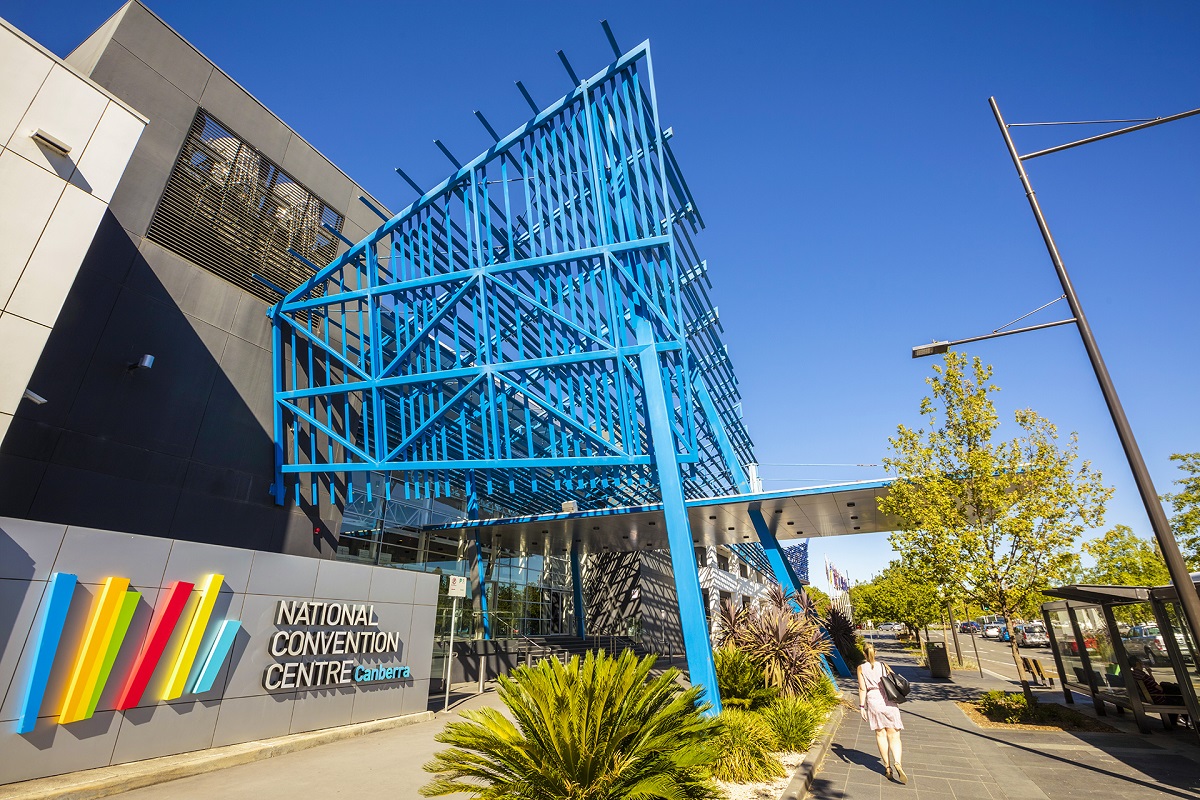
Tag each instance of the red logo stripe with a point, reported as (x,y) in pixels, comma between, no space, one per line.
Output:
(166,615)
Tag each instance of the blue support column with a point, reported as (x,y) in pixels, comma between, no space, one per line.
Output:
(701,668)
(479,567)
(787,577)
(577,583)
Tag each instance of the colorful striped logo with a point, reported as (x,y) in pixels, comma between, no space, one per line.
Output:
(107,624)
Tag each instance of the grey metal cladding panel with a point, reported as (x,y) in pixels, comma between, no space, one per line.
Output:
(121,461)
(109,256)
(246,370)
(165,729)
(132,80)
(137,194)
(322,708)
(52,749)
(20,478)
(94,555)
(217,481)
(391,618)
(245,116)
(152,41)
(69,350)
(160,408)
(28,548)
(211,299)
(250,323)
(392,585)
(191,561)
(251,656)
(427,587)
(322,178)
(104,501)
(247,719)
(160,273)
(222,521)
(379,700)
(29,438)
(337,580)
(416,697)
(361,216)
(276,574)
(197,292)
(19,604)
(420,641)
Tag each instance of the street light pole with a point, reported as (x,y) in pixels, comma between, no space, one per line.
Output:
(1188,598)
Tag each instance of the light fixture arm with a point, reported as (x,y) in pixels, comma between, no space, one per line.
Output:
(934,348)
(1180,577)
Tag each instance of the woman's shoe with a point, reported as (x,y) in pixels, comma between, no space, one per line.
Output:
(887,773)
(900,776)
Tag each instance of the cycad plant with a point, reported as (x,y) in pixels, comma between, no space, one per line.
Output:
(591,729)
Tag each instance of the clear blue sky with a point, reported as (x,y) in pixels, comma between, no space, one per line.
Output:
(858,195)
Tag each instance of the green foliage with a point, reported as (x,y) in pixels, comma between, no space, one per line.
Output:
(745,745)
(821,693)
(1186,505)
(1125,559)
(898,593)
(819,600)
(794,721)
(845,638)
(596,729)
(787,644)
(1007,707)
(740,680)
(995,521)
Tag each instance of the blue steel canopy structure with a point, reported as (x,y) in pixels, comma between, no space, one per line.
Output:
(496,325)
(534,329)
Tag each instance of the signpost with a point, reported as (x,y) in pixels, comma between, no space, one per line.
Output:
(458,588)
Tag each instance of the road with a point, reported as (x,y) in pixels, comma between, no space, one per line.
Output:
(994,657)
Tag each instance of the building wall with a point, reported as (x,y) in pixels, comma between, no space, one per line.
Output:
(50,203)
(183,450)
(238,708)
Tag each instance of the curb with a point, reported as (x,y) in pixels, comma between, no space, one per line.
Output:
(802,778)
(106,781)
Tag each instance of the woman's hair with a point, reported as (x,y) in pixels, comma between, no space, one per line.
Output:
(869,652)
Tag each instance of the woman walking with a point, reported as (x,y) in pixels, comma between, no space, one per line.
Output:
(881,714)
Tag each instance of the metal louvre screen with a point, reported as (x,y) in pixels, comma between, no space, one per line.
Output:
(232,211)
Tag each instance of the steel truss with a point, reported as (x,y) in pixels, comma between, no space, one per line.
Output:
(493,326)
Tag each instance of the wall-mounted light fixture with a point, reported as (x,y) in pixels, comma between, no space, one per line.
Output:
(145,362)
(34,397)
(50,142)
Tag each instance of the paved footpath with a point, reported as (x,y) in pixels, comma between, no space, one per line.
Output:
(947,756)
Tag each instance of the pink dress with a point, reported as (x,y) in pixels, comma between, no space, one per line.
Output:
(881,712)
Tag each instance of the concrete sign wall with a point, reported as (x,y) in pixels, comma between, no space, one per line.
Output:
(116,647)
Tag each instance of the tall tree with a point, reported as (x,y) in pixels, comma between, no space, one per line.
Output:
(995,520)
(899,593)
(1186,505)
(1125,559)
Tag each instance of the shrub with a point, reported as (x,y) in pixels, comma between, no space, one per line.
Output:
(740,680)
(786,643)
(745,746)
(795,721)
(841,630)
(1007,707)
(589,730)
(821,693)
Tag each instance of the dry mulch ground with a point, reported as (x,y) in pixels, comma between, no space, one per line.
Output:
(764,791)
(1058,718)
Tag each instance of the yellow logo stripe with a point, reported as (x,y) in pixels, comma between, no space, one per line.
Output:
(177,679)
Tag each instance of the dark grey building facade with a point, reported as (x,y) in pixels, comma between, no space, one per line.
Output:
(216,193)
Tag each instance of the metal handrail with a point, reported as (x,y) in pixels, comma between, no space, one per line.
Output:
(512,629)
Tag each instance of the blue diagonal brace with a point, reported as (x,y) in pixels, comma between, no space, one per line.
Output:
(701,669)
(700,388)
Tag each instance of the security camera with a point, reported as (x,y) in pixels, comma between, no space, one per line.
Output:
(34,397)
(145,362)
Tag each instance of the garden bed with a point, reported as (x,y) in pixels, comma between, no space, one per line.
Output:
(768,790)
(1010,711)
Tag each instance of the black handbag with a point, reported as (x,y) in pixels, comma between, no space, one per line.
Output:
(895,687)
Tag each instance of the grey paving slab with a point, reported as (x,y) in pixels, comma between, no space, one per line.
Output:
(948,756)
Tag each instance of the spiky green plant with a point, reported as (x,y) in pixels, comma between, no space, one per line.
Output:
(795,722)
(786,643)
(845,638)
(591,729)
(740,680)
(746,746)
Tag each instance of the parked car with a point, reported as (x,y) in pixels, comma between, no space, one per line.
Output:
(992,630)
(891,627)
(1146,641)
(1032,634)
(968,627)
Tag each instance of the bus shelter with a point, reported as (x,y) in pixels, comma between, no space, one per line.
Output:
(1096,630)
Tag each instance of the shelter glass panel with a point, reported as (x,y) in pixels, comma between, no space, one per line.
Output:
(1099,645)
(1068,646)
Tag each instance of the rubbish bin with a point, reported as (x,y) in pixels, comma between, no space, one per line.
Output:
(938,659)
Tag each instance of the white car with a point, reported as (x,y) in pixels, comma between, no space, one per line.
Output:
(890,627)
(993,630)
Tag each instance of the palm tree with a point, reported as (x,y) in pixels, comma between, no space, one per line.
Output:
(596,729)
